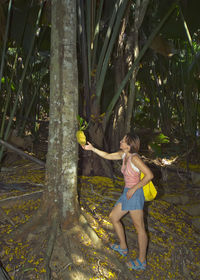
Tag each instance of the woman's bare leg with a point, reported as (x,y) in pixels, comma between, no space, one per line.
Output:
(116,214)
(137,217)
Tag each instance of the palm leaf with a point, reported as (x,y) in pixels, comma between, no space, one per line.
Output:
(5,40)
(108,46)
(22,79)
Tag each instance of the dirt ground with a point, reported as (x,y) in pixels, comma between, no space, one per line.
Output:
(173,251)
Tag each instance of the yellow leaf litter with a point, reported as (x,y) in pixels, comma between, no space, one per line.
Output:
(167,229)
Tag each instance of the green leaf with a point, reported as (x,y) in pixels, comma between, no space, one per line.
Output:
(82,123)
(161,138)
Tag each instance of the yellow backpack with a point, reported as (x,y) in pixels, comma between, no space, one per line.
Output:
(149,190)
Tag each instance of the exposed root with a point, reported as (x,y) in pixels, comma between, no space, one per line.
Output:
(50,245)
(35,223)
(5,216)
(102,196)
(69,253)
(90,232)
(8,199)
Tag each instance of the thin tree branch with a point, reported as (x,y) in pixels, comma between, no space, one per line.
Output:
(20,152)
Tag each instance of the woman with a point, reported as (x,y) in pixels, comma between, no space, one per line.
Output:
(132,199)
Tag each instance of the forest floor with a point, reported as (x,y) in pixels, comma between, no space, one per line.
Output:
(173,251)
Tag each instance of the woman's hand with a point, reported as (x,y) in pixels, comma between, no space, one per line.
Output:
(131,192)
(88,147)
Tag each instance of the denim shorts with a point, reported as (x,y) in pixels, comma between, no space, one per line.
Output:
(136,202)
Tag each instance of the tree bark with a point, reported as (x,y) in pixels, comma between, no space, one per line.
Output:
(61,171)
(140,11)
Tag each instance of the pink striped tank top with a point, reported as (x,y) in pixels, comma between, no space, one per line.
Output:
(130,171)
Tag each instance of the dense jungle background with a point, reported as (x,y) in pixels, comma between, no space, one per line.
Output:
(121,66)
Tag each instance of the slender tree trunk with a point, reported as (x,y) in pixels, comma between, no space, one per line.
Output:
(117,126)
(140,11)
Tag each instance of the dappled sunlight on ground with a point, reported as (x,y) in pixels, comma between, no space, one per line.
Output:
(173,251)
(172,238)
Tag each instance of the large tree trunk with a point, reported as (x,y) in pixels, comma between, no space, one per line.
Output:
(59,221)
(62,149)
(92,164)
(68,226)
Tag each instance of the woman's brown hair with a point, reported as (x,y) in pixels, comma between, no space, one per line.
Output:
(133,141)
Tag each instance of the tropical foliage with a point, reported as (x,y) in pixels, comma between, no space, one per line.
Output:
(138,67)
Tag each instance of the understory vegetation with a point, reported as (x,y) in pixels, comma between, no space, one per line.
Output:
(119,66)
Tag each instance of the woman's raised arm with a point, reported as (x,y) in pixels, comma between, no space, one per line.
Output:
(110,156)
